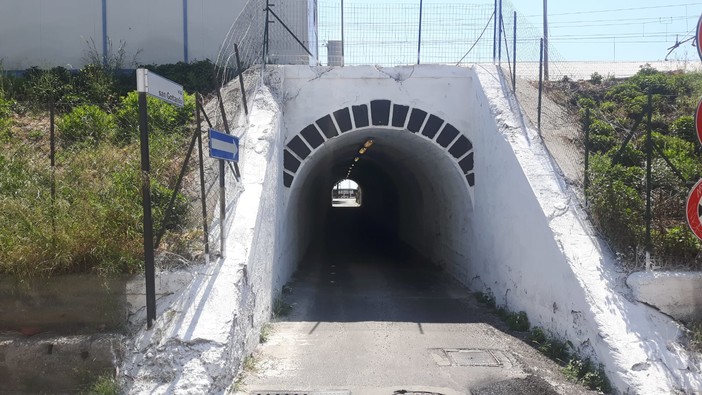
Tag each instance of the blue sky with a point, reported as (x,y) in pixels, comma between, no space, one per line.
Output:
(617,29)
(593,30)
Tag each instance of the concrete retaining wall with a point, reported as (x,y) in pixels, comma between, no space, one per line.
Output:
(676,294)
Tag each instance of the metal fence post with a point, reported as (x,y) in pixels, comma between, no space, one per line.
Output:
(586,180)
(342,31)
(649,153)
(494,34)
(241,79)
(203,196)
(222,175)
(514,55)
(265,33)
(499,34)
(149,270)
(419,39)
(541,85)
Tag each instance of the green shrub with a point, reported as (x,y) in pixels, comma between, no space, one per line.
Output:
(553,348)
(97,85)
(677,241)
(86,124)
(616,206)
(195,77)
(602,143)
(57,83)
(162,117)
(583,372)
(684,128)
(596,78)
(102,385)
(518,321)
(608,107)
(5,118)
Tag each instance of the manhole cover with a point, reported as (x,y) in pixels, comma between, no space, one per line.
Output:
(466,357)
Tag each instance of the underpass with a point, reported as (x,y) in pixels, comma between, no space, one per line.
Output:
(459,196)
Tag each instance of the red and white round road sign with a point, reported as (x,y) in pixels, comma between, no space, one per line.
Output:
(699,37)
(694,209)
(698,121)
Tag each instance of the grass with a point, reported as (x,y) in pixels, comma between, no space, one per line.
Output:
(266,332)
(576,369)
(281,308)
(94,224)
(102,385)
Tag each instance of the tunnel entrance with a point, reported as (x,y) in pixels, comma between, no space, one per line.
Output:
(416,176)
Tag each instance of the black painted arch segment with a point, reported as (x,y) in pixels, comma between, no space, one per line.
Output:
(380,112)
(467,163)
(299,147)
(290,162)
(416,120)
(399,115)
(447,135)
(432,127)
(470,177)
(460,147)
(311,134)
(360,115)
(343,119)
(326,124)
(287,179)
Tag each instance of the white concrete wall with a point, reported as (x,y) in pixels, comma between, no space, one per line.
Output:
(516,235)
(676,294)
(535,251)
(48,33)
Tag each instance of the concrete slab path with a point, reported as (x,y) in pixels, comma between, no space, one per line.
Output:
(376,320)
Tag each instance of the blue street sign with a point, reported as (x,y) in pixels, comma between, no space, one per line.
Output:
(224,146)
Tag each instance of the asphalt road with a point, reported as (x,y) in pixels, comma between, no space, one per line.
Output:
(372,318)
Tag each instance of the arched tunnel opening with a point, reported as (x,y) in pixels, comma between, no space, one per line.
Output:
(415,216)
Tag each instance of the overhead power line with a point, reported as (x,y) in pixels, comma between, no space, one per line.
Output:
(618,9)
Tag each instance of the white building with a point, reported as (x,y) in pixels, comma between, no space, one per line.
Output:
(48,33)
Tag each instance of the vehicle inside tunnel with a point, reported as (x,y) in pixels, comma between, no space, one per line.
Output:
(415,200)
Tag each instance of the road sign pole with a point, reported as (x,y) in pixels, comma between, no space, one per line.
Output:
(149,270)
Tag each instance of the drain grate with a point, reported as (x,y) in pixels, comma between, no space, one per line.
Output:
(468,357)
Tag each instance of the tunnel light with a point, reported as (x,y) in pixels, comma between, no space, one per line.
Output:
(356,159)
(362,150)
(368,143)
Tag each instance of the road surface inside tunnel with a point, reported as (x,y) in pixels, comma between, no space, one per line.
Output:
(369,315)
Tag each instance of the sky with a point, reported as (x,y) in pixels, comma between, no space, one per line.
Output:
(611,30)
(592,30)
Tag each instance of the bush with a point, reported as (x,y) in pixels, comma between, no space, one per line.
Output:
(616,206)
(97,85)
(86,124)
(684,128)
(518,321)
(677,241)
(195,77)
(5,118)
(57,83)
(583,372)
(163,118)
(596,78)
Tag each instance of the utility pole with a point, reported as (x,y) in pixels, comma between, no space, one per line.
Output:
(546,40)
